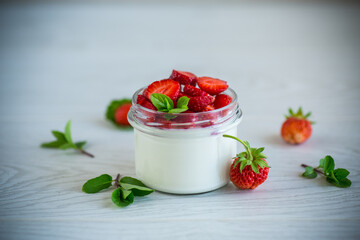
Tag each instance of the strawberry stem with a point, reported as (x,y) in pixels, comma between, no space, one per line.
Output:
(247,148)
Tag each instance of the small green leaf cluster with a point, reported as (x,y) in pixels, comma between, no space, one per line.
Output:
(64,141)
(164,104)
(337,177)
(126,188)
(111,109)
(252,156)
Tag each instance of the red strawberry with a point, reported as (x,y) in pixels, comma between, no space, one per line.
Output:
(167,87)
(296,129)
(182,94)
(121,114)
(212,86)
(143,101)
(184,78)
(193,91)
(117,112)
(222,100)
(249,168)
(209,108)
(198,104)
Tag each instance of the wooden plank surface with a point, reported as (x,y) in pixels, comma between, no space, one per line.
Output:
(62,61)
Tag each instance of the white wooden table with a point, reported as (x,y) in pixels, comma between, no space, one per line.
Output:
(61,61)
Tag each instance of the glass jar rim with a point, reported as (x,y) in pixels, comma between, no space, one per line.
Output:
(226,117)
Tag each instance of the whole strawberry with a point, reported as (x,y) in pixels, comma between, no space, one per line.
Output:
(117,112)
(249,168)
(297,128)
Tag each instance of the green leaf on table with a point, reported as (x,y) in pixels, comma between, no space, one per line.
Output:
(321,163)
(309,173)
(122,197)
(67,146)
(136,186)
(68,132)
(80,145)
(329,164)
(64,141)
(97,184)
(341,173)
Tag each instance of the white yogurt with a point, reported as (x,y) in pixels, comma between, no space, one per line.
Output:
(184,157)
(184,165)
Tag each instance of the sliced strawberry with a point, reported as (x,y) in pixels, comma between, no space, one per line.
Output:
(212,86)
(182,94)
(222,100)
(209,108)
(143,101)
(121,114)
(167,87)
(184,78)
(193,91)
(198,104)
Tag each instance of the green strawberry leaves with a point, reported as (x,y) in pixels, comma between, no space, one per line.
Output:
(164,104)
(64,141)
(298,114)
(126,188)
(111,110)
(337,177)
(253,157)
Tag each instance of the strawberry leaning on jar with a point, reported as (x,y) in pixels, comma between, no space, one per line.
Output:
(297,128)
(249,168)
(117,112)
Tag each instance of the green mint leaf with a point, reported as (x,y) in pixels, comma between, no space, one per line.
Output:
(255,167)
(137,190)
(80,145)
(59,136)
(137,187)
(68,132)
(309,173)
(329,164)
(169,105)
(161,101)
(122,198)
(169,116)
(178,110)
(54,144)
(67,146)
(97,184)
(343,183)
(183,102)
(341,173)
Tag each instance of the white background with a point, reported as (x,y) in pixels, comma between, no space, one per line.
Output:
(61,61)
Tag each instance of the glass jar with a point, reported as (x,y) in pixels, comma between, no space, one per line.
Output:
(184,153)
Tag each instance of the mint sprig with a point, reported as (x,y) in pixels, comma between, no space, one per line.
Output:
(126,188)
(164,104)
(337,177)
(64,141)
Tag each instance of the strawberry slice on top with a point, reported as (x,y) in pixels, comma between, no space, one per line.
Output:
(167,87)
(185,78)
(212,86)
